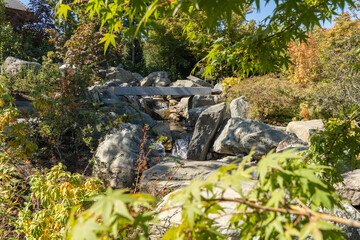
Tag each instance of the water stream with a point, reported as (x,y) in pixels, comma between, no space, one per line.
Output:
(181,146)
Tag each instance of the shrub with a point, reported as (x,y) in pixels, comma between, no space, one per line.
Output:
(272,99)
(27,80)
(53,196)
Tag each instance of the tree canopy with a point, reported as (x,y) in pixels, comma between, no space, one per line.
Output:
(263,51)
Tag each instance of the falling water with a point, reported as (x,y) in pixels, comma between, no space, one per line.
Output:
(161,149)
(181,146)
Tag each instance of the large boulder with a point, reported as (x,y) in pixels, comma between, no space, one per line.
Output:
(120,75)
(118,153)
(171,216)
(205,130)
(239,136)
(157,79)
(193,115)
(172,174)
(304,129)
(137,76)
(199,81)
(239,107)
(12,66)
(207,100)
(350,187)
(267,140)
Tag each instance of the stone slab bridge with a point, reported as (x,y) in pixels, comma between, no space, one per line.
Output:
(164,91)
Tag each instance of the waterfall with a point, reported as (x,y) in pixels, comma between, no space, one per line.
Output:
(181,146)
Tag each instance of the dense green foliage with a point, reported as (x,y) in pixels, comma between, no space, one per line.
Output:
(263,51)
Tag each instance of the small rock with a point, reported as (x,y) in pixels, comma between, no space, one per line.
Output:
(239,107)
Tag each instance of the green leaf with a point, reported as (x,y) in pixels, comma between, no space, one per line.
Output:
(108,38)
(63,11)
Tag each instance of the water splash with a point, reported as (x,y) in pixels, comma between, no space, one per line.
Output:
(160,148)
(181,146)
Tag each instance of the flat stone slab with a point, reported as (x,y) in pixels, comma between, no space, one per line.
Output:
(162,91)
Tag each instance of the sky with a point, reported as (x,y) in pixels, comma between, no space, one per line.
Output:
(266,10)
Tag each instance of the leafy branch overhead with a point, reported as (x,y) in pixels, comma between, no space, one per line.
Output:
(263,51)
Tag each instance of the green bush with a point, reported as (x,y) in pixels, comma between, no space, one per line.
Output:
(273,99)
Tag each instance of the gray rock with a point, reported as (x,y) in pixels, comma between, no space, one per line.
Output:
(218,86)
(349,212)
(157,79)
(205,130)
(266,140)
(350,187)
(183,106)
(172,216)
(117,155)
(228,141)
(136,116)
(119,75)
(297,148)
(194,115)
(199,81)
(200,101)
(304,129)
(137,76)
(12,66)
(239,107)
(238,136)
(163,129)
(172,174)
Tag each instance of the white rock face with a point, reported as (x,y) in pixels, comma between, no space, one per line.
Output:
(156,79)
(117,155)
(119,75)
(12,66)
(239,107)
(304,129)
